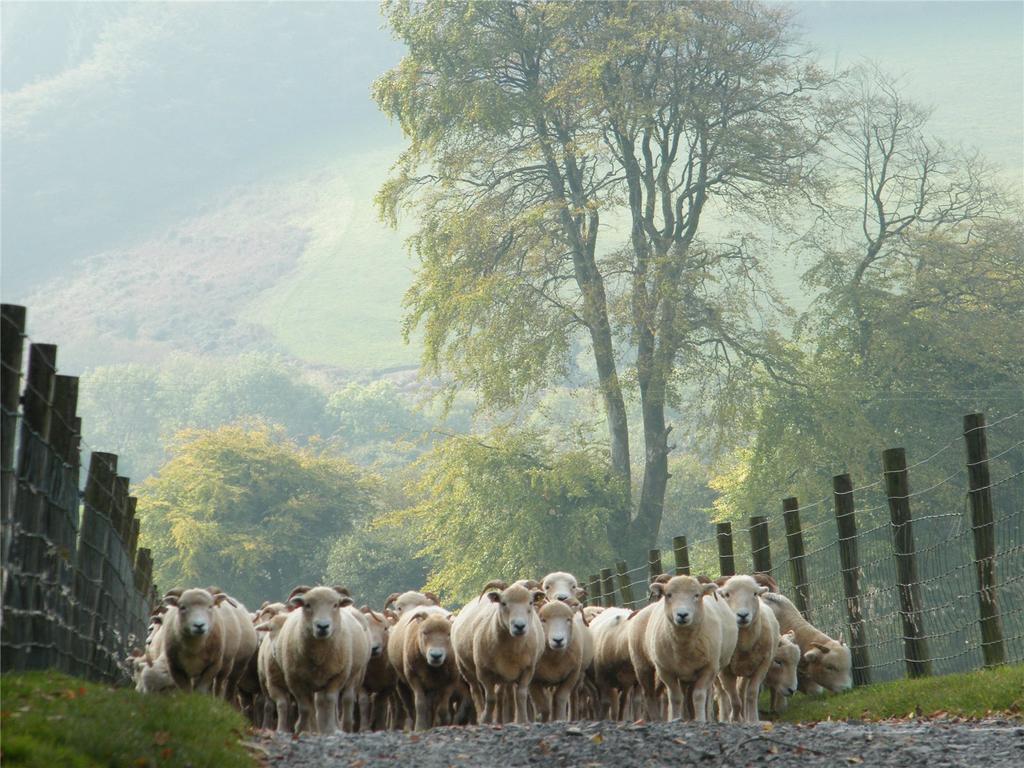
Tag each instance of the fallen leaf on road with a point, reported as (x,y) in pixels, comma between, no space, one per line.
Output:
(597,738)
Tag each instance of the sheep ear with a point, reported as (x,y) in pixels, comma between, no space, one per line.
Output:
(365,609)
(581,593)
(390,616)
(583,615)
(264,627)
(296,601)
(431,597)
(539,596)
(494,584)
(710,589)
(763,590)
(220,597)
(302,588)
(419,616)
(341,590)
(789,633)
(345,601)
(631,615)
(494,597)
(391,598)
(157,620)
(171,600)
(657,589)
(820,647)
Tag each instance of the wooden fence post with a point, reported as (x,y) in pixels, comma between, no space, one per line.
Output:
(983,526)
(91,569)
(760,548)
(12,334)
(795,545)
(654,569)
(681,553)
(726,559)
(28,632)
(594,590)
(625,586)
(897,488)
(607,588)
(842,489)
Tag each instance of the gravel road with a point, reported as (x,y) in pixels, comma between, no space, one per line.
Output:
(933,744)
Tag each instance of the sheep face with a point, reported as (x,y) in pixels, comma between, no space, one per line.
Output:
(195,610)
(321,610)
(829,665)
(562,586)
(514,607)
(557,619)
(409,600)
(743,595)
(781,676)
(378,633)
(683,599)
(433,637)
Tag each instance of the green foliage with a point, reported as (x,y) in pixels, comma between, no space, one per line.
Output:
(51,719)
(505,505)
(974,694)
(249,511)
(373,562)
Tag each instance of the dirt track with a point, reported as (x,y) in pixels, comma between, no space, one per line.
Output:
(920,744)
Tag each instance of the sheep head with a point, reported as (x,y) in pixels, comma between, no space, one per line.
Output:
(321,610)
(743,596)
(683,599)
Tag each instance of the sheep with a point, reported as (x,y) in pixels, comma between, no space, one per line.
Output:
(686,637)
(507,641)
(272,682)
(757,639)
(151,675)
(426,668)
(613,670)
(562,586)
(380,679)
(319,648)
(462,643)
(824,663)
(562,663)
(406,600)
(193,639)
(240,644)
(782,676)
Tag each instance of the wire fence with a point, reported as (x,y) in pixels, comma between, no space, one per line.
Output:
(77,589)
(918,579)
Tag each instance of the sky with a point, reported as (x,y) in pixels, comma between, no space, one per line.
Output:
(121,120)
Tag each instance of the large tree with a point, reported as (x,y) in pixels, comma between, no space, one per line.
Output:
(535,125)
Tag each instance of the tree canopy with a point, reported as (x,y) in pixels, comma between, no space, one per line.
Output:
(249,511)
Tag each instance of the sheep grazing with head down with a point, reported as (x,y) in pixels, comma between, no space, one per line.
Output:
(498,640)
(193,638)
(560,668)
(756,642)
(684,638)
(322,649)
(782,676)
(824,662)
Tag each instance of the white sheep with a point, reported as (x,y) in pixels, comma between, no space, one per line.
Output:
(276,698)
(825,663)
(506,642)
(561,665)
(684,638)
(782,676)
(402,602)
(319,648)
(757,639)
(613,671)
(562,586)
(193,639)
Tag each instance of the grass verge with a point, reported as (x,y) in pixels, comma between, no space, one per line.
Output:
(968,695)
(51,719)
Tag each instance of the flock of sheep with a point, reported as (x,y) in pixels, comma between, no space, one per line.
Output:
(518,652)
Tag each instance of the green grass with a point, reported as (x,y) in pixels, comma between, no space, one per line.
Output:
(49,719)
(970,695)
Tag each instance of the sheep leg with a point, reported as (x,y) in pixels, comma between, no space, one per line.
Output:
(348,708)
(676,699)
(730,683)
(422,707)
(522,693)
(490,685)
(779,702)
(701,688)
(326,710)
(379,712)
(753,688)
(562,695)
(306,712)
(541,704)
(283,706)
(207,679)
(724,702)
